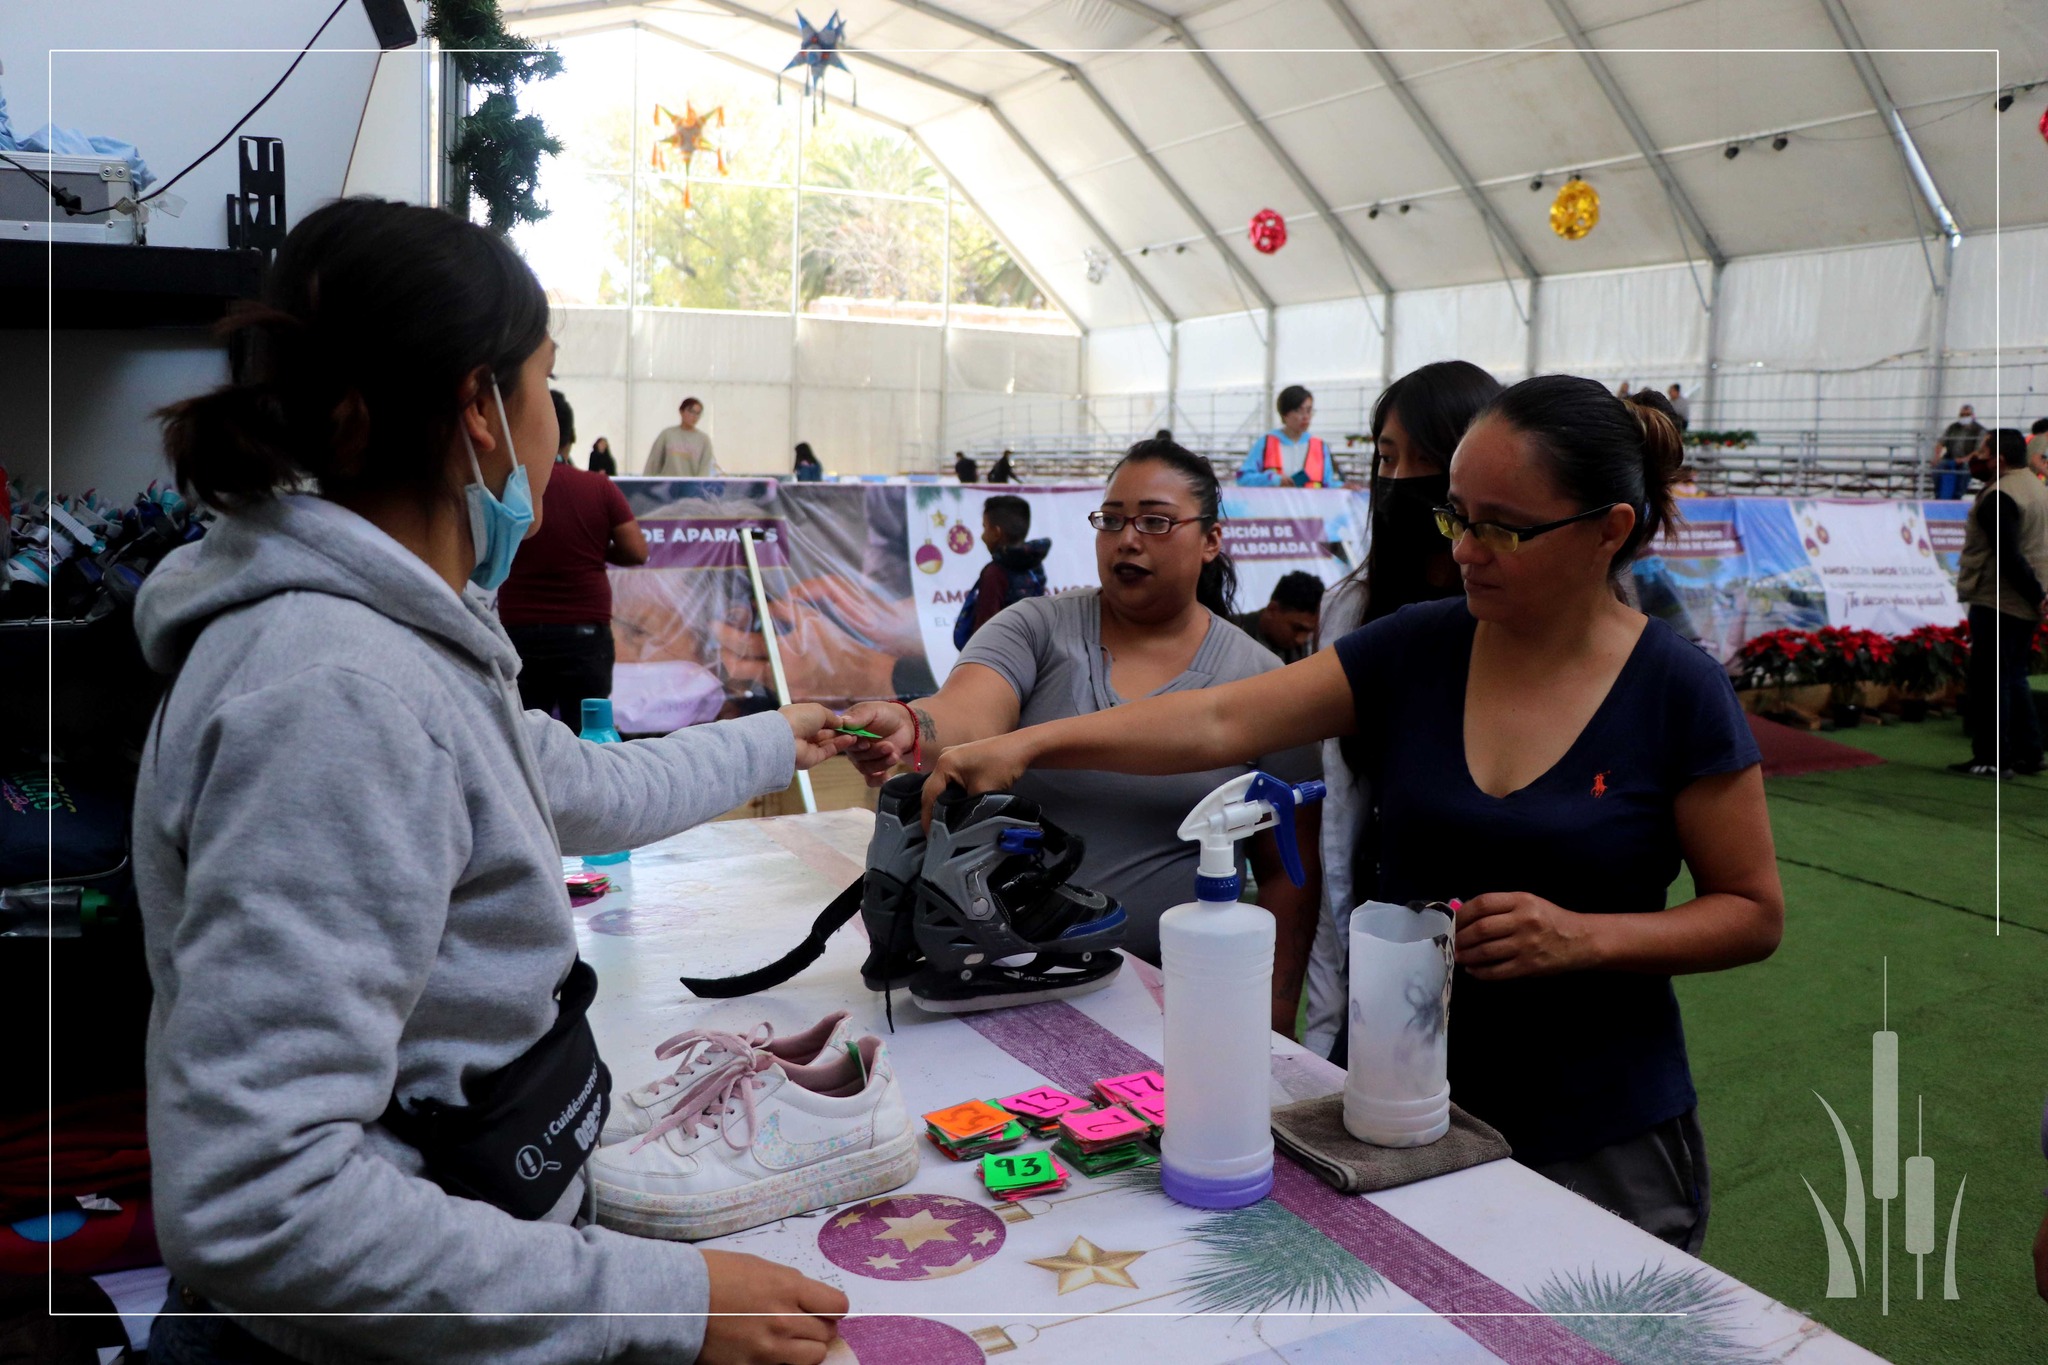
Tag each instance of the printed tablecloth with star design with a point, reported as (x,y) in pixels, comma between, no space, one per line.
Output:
(1491,1263)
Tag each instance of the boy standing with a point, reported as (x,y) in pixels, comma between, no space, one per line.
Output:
(1015,569)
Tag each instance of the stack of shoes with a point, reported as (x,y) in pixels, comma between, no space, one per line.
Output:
(700,1051)
(755,1139)
(1012,1178)
(1098,1141)
(976,1128)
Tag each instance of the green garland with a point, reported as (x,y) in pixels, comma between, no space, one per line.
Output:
(1728,439)
(498,148)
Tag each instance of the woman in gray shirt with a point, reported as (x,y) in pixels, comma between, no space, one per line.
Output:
(1155,625)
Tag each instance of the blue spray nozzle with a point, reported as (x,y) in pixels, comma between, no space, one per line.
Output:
(1283,798)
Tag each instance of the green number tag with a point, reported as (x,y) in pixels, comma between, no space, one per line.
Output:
(1016,1170)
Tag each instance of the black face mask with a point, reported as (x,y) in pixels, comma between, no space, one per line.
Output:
(1411,560)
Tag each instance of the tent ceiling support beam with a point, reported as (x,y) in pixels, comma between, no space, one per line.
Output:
(1258,129)
(1086,85)
(977,101)
(1675,192)
(1438,143)
(1710,389)
(1888,110)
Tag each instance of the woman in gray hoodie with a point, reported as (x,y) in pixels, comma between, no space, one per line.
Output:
(348,841)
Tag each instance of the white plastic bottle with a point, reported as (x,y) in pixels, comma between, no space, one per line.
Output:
(1217,957)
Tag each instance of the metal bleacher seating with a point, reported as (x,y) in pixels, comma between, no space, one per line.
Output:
(1836,464)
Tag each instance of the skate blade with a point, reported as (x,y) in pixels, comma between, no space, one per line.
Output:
(973,1004)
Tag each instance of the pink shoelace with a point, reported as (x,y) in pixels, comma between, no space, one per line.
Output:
(710,1100)
(695,1044)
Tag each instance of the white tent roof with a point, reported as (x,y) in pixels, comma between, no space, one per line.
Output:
(1154,133)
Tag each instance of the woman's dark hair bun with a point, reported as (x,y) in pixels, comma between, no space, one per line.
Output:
(1601,449)
(355,366)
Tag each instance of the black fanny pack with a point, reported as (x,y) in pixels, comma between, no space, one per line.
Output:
(529,1126)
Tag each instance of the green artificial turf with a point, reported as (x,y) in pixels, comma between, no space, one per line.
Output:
(1896,863)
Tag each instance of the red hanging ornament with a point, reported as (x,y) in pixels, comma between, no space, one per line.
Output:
(2044,125)
(1269,232)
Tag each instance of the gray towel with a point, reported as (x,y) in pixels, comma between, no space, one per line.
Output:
(1313,1133)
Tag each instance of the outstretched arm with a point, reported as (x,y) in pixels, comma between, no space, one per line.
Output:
(1182,732)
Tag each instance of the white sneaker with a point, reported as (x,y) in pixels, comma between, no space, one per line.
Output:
(757,1140)
(703,1050)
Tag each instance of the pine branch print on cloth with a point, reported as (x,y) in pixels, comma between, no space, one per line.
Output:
(1698,1334)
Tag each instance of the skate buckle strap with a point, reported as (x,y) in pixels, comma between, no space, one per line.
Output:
(711,1097)
(844,907)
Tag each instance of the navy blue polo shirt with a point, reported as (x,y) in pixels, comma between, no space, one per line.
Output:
(1562,1065)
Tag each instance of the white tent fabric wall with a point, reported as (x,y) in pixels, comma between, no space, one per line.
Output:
(1998,357)
(1643,326)
(868,392)
(1476,322)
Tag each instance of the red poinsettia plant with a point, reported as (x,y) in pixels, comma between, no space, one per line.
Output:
(1845,658)
(1776,660)
(1926,660)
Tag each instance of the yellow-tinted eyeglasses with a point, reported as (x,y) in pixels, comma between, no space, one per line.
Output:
(1500,537)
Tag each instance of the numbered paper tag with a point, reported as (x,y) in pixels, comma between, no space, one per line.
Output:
(967,1120)
(1139,1085)
(1153,1110)
(1017,1170)
(1103,1125)
(1042,1103)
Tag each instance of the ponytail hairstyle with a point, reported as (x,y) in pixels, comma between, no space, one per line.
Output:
(1217,587)
(1601,449)
(374,318)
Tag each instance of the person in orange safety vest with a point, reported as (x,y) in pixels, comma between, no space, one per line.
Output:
(1288,456)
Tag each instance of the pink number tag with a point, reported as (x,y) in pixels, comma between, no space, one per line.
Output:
(1152,1110)
(1103,1125)
(1042,1103)
(1139,1085)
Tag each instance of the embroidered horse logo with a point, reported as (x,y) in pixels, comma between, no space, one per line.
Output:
(1599,785)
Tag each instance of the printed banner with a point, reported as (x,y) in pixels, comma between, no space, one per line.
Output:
(865,581)
(1876,564)
(946,554)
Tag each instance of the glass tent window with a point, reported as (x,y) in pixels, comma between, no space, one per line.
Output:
(874,233)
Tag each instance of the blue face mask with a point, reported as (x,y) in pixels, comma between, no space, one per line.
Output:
(497,523)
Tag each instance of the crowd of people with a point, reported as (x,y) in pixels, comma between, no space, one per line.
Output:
(1500,729)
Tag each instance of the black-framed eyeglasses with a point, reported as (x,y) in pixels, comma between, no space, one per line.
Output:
(1147,523)
(1500,537)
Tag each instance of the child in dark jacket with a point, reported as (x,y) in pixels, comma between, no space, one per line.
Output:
(1015,569)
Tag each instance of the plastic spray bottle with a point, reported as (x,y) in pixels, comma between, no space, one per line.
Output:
(598,729)
(1217,958)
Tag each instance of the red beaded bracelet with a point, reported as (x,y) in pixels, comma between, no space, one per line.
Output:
(916,739)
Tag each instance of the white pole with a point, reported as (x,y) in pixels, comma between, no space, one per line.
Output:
(747,534)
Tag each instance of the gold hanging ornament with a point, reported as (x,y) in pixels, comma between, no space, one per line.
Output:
(1575,211)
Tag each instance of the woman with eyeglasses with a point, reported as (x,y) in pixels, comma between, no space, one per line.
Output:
(1155,627)
(1545,755)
